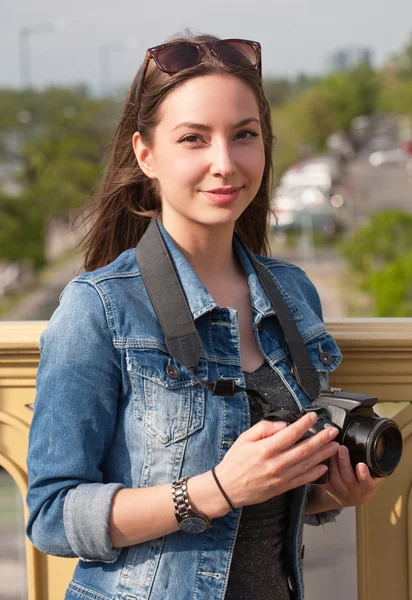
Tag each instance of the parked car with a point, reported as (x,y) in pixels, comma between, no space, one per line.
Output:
(394,156)
(307,207)
(323,172)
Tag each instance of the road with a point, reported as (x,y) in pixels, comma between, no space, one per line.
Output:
(376,188)
(330,559)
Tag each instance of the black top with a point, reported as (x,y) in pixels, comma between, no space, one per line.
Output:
(258,570)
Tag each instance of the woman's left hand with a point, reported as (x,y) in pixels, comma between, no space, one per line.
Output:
(346,486)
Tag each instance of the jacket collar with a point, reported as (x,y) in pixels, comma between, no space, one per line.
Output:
(199,300)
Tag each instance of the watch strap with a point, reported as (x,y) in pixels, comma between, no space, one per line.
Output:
(183,508)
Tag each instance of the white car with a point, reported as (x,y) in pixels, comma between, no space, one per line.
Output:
(299,207)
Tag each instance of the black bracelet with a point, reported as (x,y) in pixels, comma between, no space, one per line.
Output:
(222,491)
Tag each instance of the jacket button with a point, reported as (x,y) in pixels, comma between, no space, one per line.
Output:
(172,371)
(326,358)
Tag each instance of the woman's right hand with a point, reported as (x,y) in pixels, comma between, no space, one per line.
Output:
(269,459)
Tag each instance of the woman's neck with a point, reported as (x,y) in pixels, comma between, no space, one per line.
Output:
(208,250)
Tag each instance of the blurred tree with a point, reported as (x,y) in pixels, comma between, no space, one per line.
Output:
(58,138)
(21,231)
(281,90)
(401,62)
(350,94)
(396,97)
(303,122)
(381,255)
(277,91)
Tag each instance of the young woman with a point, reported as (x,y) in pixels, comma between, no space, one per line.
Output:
(162,489)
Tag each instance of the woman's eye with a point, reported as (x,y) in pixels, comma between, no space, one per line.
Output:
(246,134)
(191,139)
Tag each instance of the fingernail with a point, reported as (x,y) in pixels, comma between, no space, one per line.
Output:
(342,452)
(363,469)
(334,446)
(332,432)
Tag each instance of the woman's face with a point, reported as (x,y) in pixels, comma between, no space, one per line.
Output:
(207,153)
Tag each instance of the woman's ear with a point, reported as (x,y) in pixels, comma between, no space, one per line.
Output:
(143,156)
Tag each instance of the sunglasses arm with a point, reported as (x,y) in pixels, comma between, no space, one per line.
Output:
(140,80)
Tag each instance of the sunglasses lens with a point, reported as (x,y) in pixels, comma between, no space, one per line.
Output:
(239,54)
(177,58)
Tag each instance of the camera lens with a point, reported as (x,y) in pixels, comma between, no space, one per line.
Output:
(386,450)
(376,442)
(380,448)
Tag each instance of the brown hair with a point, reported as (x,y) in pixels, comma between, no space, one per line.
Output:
(126,199)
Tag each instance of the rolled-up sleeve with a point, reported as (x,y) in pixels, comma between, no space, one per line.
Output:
(78,386)
(86,520)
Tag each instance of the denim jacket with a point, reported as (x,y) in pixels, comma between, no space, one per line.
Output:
(107,415)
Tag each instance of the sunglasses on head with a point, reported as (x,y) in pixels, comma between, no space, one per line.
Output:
(178,56)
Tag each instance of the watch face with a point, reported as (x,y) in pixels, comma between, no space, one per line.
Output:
(193,525)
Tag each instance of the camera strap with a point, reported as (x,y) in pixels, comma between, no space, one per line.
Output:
(175,318)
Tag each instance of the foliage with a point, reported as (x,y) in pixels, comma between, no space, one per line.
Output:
(281,90)
(401,62)
(396,97)
(277,91)
(302,123)
(381,255)
(350,94)
(58,139)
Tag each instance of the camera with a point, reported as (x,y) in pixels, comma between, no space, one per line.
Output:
(370,439)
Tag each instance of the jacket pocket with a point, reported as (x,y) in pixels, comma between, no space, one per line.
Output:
(167,400)
(325,356)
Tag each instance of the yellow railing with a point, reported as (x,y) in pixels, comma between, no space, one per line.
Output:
(377,360)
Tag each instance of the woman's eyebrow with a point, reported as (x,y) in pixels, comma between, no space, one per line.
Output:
(202,127)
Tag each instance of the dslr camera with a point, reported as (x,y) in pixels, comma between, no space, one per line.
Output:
(370,439)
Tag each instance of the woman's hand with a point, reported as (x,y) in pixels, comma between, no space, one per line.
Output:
(346,486)
(269,459)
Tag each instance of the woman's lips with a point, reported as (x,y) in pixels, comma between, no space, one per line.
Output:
(223,196)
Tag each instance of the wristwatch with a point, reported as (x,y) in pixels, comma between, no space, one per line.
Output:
(186,518)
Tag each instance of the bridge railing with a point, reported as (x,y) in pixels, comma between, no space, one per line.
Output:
(377,360)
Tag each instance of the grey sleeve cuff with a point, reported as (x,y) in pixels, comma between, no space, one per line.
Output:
(86,520)
(322,518)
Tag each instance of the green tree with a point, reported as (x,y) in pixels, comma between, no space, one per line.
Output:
(396,97)
(350,94)
(304,121)
(58,138)
(380,254)
(401,62)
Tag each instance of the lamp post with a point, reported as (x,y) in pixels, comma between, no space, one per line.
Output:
(24,46)
(105,51)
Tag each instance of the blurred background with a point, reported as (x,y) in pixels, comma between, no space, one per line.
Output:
(339,80)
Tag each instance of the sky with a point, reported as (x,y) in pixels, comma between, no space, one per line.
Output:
(296,35)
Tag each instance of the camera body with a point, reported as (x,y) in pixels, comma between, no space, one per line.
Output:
(369,438)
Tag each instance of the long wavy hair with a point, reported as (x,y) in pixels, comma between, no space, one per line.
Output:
(127,199)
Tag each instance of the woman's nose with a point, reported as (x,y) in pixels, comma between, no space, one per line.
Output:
(222,161)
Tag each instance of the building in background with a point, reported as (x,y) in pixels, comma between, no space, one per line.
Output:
(345,59)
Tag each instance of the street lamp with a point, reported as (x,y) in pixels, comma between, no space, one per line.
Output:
(24,46)
(104,60)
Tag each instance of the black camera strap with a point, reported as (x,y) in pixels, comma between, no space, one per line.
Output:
(303,369)
(181,336)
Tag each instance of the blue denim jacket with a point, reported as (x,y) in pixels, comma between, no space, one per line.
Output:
(107,415)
